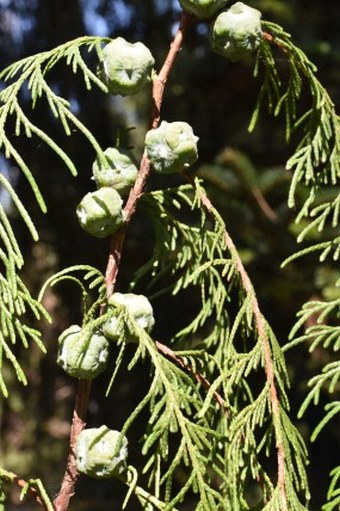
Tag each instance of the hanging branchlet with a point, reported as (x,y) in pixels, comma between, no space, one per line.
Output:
(315,167)
(315,163)
(205,419)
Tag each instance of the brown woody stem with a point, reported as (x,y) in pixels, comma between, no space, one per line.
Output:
(144,170)
(200,378)
(67,489)
(268,360)
(30,486)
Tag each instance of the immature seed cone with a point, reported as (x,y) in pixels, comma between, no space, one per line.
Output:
(172,147)
(100,213)
(119,173)
(98,453)
(82,355)
(127,67)
(203,9)
(138,306)
(236,32)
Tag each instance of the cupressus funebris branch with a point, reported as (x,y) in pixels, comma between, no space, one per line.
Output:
(79,416)
(116,244)
(200,390)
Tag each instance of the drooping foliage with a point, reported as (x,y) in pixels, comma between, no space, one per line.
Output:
(218,433)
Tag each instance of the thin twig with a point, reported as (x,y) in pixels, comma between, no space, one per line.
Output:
(268,37)
(144,170)
(263,204)
(67,490)
(261,330)
(26,485)
(168,352)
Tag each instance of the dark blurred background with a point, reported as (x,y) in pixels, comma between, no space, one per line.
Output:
(245,177)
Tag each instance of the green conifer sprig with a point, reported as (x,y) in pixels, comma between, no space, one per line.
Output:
(29,74)
(316,159)
(195,254)
(173,439)
(333,494)
(325,333)
(315,165)
(228,347)
(90,279)
(33,486)
(15,304)
(323,311)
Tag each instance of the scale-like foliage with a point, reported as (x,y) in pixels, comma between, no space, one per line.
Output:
(33,485)
(316,165)
(29,76)
(230,351)
(217,405)
(315,162)
(333,495)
